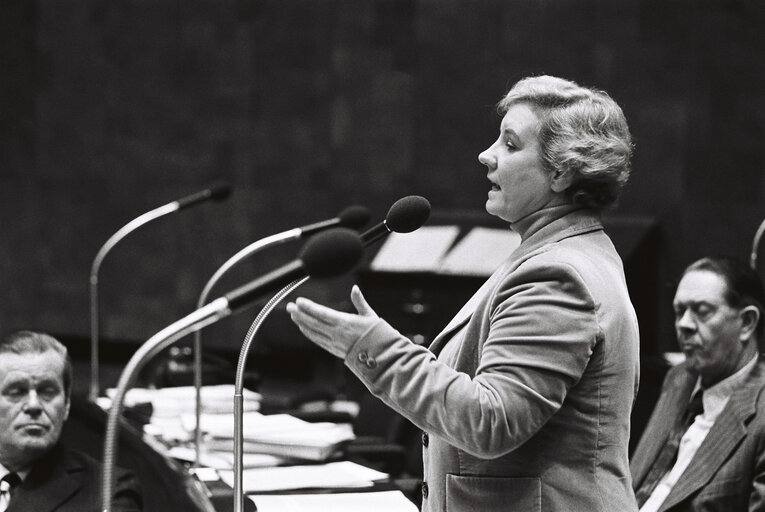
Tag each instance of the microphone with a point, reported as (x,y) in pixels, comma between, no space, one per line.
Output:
(325,255)
(352,217)
(217,192)
(404,216)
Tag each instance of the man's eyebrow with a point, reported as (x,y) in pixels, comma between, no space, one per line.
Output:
(14,382)
(694,303)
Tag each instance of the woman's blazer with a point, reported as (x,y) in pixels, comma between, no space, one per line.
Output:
(533,411)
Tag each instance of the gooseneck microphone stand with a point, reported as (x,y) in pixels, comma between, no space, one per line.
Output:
(327,255)
(236,258)
(218,191)
(353,216)
(239,390)
(108,245)
(200,318)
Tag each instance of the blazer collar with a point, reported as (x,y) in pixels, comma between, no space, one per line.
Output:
(723,437)
(51,481)
(553,225)
(678,395)
(541,228)
(466,312)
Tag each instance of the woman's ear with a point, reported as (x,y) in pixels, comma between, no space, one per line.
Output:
(750,318)
(561,180)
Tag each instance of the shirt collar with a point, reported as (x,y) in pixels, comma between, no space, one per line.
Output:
(23,473)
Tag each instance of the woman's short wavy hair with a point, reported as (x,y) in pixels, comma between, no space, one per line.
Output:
(582,131)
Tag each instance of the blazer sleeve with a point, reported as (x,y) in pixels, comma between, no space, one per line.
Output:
(535,339)
(757,495)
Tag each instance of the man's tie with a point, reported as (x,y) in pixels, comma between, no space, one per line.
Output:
(7,483)
(668,454)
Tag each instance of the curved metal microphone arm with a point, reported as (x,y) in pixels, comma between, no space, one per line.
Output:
(95,267)
(756,245)
(239,390)
(200,318)
(233,260)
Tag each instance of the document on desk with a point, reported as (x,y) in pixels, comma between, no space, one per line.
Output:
(333,475)
(419,251)
(385,501)
(276,434)
(494,246)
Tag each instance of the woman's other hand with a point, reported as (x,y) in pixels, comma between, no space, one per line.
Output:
(334,331)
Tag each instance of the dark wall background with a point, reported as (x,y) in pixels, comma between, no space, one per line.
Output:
(112,108)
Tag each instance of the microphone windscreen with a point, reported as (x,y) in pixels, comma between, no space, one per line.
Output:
(408,214)
(354,217)
(331,253)
(219,190)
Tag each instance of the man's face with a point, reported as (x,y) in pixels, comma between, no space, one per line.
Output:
(33,406)
(708,329)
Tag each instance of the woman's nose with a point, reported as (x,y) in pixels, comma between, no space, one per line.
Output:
(485,157)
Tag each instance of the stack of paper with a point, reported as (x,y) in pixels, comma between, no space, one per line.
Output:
(225,459)
(281,435)
(335,475)
(174,401)
(385,501)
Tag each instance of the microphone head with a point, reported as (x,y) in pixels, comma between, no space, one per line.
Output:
(219,191)
(354,217)
(408,214)
(332,252)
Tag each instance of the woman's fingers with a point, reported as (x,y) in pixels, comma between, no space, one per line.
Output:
(309,309)
(335,331)
(360,303)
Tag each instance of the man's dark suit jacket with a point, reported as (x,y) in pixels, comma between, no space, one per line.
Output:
(69,481)
(728,471)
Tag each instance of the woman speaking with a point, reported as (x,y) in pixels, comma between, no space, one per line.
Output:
(525,396)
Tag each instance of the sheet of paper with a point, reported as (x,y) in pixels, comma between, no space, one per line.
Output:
(385,501)
(480,252)
(420,250)
(277,428)
(225,460)
(315,476)
(173,401)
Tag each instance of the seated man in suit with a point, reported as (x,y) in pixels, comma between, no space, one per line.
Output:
(38,473)
(694,458)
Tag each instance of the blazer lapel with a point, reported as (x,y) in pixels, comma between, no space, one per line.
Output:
(466,312)
(49,485)
(569,224)
(726,433)
(657,432)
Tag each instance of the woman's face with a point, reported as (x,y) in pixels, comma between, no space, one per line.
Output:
(520,184)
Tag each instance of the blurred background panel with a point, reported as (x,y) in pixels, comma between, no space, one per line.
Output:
(112,108)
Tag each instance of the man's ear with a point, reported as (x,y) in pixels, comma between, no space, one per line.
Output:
(750,319)
(68,404)
(561,180)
